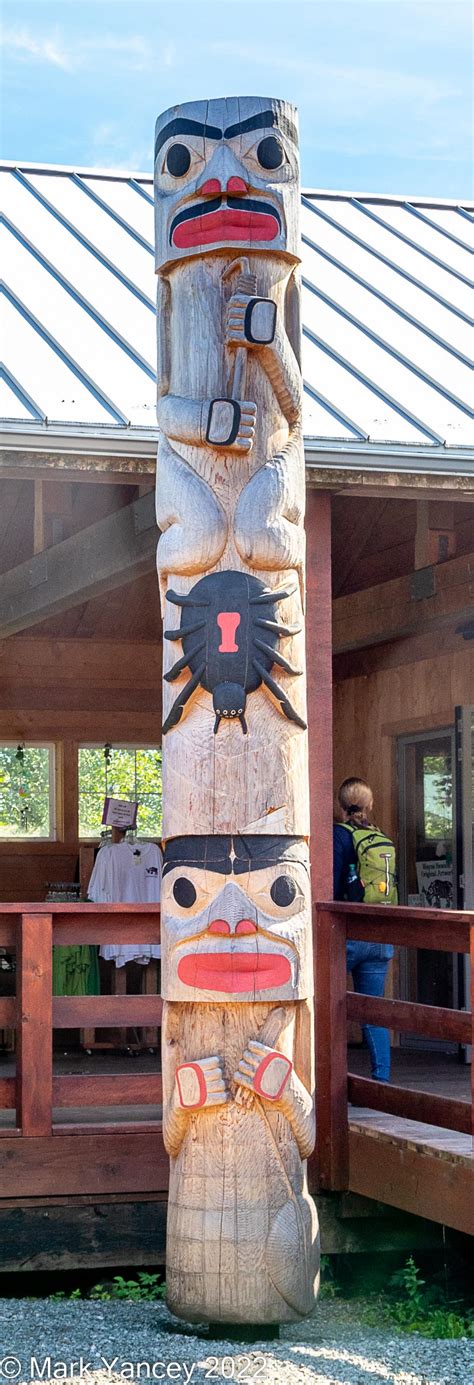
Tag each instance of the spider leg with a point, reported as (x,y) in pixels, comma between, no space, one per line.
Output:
(278,594)
(190,630)
(276,658)
(273,625)
(243,723)
(217,723)
(174,716)
(274,687)
(179,599)
(177,668)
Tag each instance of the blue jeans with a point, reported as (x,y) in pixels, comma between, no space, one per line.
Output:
(368,964)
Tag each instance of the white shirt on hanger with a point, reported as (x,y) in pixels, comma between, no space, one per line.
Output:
(127,873)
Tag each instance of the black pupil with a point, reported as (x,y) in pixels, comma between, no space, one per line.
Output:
(283,891)
(178,160)
(184,892)
(270,152)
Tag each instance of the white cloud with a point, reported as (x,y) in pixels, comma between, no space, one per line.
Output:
(26,47)
(131,52)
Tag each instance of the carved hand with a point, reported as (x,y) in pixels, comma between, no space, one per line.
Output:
(200,1084)
(231,424)
(263,1070)
(250,321)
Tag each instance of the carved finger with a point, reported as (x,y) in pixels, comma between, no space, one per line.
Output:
(243,1080)
(217,1098)
(254,1046)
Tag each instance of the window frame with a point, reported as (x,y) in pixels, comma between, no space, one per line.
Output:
(51,747)
(133,747)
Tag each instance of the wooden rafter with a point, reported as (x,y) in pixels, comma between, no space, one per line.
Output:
(108,554)
(391,610)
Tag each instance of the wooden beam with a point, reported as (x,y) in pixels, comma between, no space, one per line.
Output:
(389,1168)
(38,520)
(107,1161)
(319,690)
(352,551)
(391,610)
(108,554)
(435,538)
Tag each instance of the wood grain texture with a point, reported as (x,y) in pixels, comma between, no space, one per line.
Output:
(106,1161)
(238,1085)
(234,507)
(34,1028)
(388,1165)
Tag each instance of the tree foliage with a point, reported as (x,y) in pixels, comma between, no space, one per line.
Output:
(24,791)
(126,773)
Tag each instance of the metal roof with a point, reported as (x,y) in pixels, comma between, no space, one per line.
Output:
(387,325)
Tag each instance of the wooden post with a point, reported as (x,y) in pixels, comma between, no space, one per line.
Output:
(331,1053)
(319,675)
(34,1024)
(238,1086)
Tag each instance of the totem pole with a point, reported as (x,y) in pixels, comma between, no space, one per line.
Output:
(238,1112)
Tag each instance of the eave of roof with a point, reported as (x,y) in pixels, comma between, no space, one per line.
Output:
(384,322)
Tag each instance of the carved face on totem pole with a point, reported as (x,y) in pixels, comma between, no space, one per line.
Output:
(236,919)
(226,172)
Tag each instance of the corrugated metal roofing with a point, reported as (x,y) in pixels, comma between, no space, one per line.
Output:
(387,316)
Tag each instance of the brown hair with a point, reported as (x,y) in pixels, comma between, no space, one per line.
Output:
(355,798)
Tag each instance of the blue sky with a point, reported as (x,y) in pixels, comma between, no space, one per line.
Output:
(384,87)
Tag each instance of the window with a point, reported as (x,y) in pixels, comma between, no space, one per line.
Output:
(27,791)
(129,772)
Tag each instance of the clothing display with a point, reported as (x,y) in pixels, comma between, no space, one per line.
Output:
(127,873)
(76,970)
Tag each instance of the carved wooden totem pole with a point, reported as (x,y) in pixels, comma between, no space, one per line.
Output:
(238,1110)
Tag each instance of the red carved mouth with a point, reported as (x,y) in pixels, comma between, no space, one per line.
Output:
(227,224)
(234,972)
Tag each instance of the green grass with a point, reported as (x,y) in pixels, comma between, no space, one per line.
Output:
(411,1305)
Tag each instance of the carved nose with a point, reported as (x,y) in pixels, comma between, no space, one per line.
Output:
(235,184)
(219,926)
(212,187)
(246,926)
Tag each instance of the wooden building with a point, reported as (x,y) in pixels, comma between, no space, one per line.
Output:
(389,444)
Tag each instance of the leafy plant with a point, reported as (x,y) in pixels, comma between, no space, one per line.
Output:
(329,1285)
(413,1306)
(146,1287)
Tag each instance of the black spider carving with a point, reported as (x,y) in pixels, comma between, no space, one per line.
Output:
(229,632)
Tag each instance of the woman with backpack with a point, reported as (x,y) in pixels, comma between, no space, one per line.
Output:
(364,871)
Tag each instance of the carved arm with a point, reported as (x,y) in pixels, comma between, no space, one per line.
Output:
(272,1077)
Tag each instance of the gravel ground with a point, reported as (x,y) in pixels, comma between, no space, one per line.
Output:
(107,1343)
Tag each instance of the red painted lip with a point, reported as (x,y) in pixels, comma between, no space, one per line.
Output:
(226,224)
(234,972)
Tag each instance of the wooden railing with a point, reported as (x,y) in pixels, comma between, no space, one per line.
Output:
(32,930)
(123,1159)
(433,929)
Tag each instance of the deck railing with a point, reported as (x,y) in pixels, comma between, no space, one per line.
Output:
(433,929)
(35,1091)
(32,930)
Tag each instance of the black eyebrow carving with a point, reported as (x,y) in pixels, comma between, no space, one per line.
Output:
(262,122)
(182,126)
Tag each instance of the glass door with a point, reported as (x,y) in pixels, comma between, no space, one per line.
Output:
(465,804)
(427,857)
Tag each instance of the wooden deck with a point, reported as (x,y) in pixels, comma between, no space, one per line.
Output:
(80,1133)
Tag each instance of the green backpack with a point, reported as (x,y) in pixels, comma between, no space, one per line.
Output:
(376,864)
